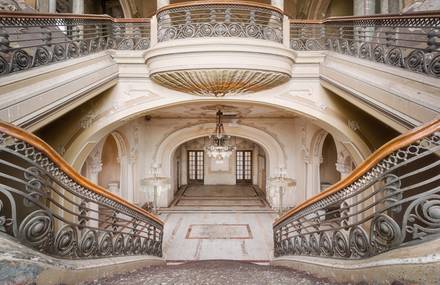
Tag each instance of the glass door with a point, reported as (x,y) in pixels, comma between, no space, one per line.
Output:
(244,166)
(196,165)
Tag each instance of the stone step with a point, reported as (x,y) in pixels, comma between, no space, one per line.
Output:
(214,272)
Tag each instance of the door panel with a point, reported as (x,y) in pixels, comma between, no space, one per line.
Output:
(196,165)
(244,166)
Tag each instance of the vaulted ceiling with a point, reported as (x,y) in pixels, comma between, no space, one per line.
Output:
(208,110)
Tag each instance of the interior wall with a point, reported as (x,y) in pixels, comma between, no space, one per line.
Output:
(219,173)
(293,135)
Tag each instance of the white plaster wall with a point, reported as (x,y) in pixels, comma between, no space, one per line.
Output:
(293,135)
(220,177)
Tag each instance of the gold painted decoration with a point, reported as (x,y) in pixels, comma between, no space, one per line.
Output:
(220,82)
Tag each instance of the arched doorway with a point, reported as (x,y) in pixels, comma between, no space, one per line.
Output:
(203,181)
(110,175)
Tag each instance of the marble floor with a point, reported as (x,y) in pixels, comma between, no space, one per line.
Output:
(219,197)
(241,230)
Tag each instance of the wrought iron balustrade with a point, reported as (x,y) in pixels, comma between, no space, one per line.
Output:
(220,19)
(390,201)
(32,40)
(47,206)
(408,41)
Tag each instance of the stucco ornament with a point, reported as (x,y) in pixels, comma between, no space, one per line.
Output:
(8,5)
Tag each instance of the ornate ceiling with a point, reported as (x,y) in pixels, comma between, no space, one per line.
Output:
(220,82)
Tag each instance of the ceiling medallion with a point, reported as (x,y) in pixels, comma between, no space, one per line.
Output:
(219,146)
(220,82)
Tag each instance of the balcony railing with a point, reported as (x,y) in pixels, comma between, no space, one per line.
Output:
(49,207)
(408,41)
(390,201)
(32,40)
(220,19)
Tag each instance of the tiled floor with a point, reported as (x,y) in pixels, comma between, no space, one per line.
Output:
(234,233)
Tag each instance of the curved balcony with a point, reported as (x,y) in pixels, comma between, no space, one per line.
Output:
(220,19)
(192,55)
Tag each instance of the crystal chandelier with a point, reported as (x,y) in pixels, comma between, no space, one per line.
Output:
(219,146)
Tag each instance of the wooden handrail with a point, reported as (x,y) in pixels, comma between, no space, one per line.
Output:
(388,148)
(47,150)
(219,2)
(70,16)
(414,15)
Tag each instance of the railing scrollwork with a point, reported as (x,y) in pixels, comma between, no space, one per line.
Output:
(32,40)
(389,201)
(220,19)
(47,206)
(407,41)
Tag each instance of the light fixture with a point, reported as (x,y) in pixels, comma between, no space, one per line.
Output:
(219,145)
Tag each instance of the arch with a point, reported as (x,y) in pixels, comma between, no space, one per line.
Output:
(122,145)
(328,172)
(111,168)
(84,142)
(276,157)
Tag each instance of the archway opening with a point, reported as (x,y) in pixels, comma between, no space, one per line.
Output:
(203,181)
(328,173)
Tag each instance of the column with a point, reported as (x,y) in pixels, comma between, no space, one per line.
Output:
(47,6)
(94,167)
(78,7)
(52,6)
(364,7)
(279,4)
(131,175)
(390,6)
(43,6)
(384,7)
(394,6)
(162,3)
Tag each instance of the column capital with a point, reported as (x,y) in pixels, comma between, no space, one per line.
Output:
(132,157)
(94,166)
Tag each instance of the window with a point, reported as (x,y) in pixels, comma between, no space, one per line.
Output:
(244,166)
(195,166)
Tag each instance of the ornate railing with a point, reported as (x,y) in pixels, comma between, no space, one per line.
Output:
(32,40)
(220,19)
(390,201)
(408,41)
(49,207)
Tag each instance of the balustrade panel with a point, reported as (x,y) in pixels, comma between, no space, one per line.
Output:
(32,40)
(211,19)
(408,41)
(390,201)
(45,205)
